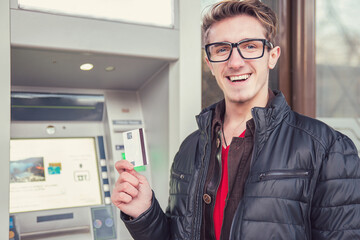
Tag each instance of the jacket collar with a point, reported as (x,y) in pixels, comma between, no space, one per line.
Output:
(205,116)
(265,118)
(269,117)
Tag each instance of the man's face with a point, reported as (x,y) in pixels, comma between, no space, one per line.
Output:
(254,73)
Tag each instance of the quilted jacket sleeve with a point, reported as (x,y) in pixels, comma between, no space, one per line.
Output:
(335,210)
(152,224)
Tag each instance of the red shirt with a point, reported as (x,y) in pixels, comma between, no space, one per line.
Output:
(222,192)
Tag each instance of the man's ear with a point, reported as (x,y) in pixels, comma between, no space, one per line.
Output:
(274,56)
(208,63)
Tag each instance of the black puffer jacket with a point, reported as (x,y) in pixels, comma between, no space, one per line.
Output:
(304,183)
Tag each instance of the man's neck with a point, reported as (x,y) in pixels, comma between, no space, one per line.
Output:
(235,111)
(237,114)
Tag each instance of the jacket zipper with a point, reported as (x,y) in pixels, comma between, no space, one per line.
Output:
(178,175)
(283,174)
(193,234)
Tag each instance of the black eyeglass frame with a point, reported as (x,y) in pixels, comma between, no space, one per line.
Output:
(265,43)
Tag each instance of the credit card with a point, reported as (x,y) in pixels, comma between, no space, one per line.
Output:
(135,147)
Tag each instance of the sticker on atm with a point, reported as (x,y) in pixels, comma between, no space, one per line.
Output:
(82,176)
(54,168)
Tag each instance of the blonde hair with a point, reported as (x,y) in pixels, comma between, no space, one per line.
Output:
(231,8)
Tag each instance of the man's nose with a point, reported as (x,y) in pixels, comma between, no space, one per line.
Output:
(235,60)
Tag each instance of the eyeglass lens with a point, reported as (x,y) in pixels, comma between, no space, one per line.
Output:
(248,49)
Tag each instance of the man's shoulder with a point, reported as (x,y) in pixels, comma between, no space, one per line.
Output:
(186,155)
(191,139)
(315,128)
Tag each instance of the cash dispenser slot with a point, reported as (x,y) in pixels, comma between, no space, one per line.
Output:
(32,106)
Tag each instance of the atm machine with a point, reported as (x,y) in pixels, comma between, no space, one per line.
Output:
(67,125)
(64,144)
(62,152)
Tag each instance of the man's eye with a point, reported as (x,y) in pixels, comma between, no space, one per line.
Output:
(221,50)
(251,46)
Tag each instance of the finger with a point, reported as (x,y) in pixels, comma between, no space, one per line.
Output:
(121,197)
(128,189)
(136,174)
(123,165)
(128,177)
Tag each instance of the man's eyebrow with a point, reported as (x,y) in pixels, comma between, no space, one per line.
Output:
(250,38)
(243,39)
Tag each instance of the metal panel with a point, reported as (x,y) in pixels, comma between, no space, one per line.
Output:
(4,117)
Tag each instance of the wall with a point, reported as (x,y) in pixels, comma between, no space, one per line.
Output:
(177,92)
(189,66)
(154,98)
(4,117)
(80,34)
(185,77)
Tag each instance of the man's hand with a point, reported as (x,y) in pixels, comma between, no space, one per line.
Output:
(132,193)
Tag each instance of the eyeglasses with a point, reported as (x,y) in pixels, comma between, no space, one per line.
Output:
(248,49)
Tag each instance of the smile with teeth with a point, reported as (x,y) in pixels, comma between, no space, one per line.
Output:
(239,78)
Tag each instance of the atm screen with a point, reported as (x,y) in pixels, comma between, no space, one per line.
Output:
(53,173)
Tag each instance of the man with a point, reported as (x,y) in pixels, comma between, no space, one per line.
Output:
(255,169)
